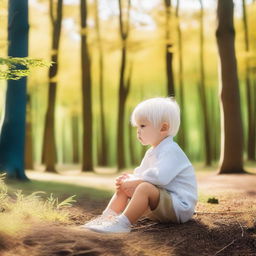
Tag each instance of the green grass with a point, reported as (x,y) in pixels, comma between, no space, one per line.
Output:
(25,203)
(203,197)
(59,189)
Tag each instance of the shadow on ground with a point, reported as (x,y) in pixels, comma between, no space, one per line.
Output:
(147,238)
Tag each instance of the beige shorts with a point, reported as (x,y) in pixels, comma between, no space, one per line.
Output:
(164,212)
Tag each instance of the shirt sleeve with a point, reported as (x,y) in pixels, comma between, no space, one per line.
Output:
(138,170)
(166,167)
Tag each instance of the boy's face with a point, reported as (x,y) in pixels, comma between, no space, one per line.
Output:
(147,134)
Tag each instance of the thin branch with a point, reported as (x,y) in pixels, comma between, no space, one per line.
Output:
(224,247)
(145,226)
(51,12)
(241,228)
(124,28)
(121,18)
(180,242)
(128,19)
(222,212)
(177,9)
(129,81)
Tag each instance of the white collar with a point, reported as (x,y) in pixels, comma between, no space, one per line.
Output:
(161,145)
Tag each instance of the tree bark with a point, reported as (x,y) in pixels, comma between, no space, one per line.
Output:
(202,93)
(87,164)
(215,129)
(49,157)
(123,87)
(12,134)
(182,139)
(249,92)
(131,146)
(231,160)
(168,50)
(103,154)
(75,138)
(28,144)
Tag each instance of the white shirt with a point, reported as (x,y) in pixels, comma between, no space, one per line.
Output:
(167,166)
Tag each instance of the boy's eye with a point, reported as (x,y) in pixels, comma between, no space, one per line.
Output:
(142,125)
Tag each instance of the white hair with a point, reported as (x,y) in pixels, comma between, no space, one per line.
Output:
(157,111)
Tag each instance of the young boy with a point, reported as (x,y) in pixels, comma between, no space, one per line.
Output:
(164,186)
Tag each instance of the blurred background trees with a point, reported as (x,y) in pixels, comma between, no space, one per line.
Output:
(122,52)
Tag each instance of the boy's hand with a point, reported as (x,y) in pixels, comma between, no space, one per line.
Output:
(120,179)
(129,186)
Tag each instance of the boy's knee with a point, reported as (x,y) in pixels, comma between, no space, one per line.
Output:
(145,187)
(120,191)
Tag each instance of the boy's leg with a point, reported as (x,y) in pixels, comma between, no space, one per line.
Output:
(145,195)
(118,202)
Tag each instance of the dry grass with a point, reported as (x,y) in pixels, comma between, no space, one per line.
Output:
(19,211)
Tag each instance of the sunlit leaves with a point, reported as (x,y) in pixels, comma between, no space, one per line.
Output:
(16,68)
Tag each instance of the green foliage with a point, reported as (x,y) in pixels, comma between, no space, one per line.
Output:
(16,68)
(54,202)
(213,200)
(19,211)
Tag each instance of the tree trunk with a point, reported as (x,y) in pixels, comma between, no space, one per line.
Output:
(215,131)
(131,146)
(231,160)
(49,157)
(64,143)
(168,50)
(182,132)
(249,92)
(12,135)
(121,113)
(75,138)
(28,144)
(254,111)
(202,93)
(87,160)
(123,87)
(103,155)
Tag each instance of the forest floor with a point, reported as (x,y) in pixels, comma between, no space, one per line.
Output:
(225,228)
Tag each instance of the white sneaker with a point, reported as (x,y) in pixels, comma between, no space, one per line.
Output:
(114,226)
(98,221)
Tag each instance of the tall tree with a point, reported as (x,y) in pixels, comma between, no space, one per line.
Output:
(12,135)
(103,154)
(87,164)
(249,92)
(75,137)
(168,49)
(49,142)
(215,123)
(124,87)
(202,91)
(131,146)
(29,143)
(231,160)
(182,133)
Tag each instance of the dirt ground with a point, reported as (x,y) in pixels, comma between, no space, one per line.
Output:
(226,228)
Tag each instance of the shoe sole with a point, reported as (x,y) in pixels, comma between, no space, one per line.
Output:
(106,232)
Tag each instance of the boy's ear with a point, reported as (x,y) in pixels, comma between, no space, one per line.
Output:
(164,127)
